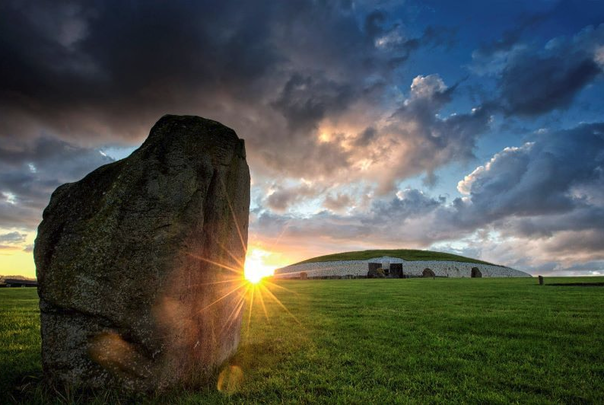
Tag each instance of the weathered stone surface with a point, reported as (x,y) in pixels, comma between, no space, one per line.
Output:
(133,261)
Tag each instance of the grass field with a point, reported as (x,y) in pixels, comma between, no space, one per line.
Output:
(382,341)
(405,254)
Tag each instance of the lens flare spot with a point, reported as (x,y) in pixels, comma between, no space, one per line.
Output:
(114,354)
(230,379)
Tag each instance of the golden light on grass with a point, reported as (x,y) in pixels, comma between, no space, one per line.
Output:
(230,379)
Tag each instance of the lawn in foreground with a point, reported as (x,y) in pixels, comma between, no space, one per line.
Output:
(385,341)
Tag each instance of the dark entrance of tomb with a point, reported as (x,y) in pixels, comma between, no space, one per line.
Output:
(476,273)
(428,273)
(303,275)
(373,270)
(396,270)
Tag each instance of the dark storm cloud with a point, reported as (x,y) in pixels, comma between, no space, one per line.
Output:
(404,47)
(536,81)
(283,198)
(338,202)
(12,237)
(428,140)
(556,173)
(591,241)
(99,72)
(105,68)
(374,23)
(544,198)
(105,71)
(535,85)
(12,240)
(108,69)
(408,204)
(579,219)
(403,216)
(280,200)
(31,171)
(509,38)
(593,268)
(549,190)
(413,139)
(366,136)
(324,223)
(304,101)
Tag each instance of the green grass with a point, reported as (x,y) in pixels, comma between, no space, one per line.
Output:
(19,338)
(405,254)
(384,341)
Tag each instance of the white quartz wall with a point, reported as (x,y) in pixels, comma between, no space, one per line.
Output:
(359,268)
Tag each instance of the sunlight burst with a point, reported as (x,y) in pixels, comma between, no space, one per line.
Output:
(256,267)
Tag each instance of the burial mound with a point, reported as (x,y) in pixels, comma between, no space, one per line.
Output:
(395,263)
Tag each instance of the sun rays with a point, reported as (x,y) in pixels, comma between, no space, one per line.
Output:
(240,282)
(249,284)
(256,267)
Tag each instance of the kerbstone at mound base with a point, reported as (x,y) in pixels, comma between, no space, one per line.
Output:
(136,261)
(412,268)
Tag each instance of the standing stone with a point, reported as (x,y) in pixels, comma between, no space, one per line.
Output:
(140,263)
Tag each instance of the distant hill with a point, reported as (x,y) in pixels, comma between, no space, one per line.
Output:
(405,254)
(17,281)
(2,278)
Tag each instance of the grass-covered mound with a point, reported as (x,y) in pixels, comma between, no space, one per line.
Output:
(405,254)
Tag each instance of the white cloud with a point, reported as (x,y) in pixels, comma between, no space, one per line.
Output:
(427,86)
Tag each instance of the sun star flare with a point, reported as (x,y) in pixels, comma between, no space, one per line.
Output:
(256,267)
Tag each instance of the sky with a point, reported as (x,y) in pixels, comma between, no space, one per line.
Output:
(472,127)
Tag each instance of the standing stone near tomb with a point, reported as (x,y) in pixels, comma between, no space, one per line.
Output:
(140,263)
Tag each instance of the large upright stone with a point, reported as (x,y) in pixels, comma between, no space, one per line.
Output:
(140,263)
